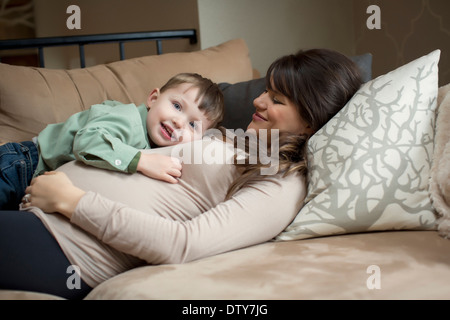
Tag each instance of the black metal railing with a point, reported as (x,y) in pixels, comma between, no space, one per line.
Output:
(81,41)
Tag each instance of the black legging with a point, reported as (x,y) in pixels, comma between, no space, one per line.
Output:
(32,260)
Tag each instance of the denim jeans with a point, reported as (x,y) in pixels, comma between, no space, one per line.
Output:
(18,161)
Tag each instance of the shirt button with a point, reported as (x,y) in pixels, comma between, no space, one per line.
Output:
(118,162)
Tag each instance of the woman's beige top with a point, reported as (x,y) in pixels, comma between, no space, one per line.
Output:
(125,221)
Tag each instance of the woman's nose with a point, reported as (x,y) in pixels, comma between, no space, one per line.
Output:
(259,102)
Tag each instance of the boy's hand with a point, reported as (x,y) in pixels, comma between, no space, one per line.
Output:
(161,167)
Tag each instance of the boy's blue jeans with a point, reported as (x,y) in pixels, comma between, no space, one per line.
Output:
(18,161)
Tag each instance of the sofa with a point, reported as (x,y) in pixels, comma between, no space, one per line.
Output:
(346,243)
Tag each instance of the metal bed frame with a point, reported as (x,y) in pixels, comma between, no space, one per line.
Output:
(81,41)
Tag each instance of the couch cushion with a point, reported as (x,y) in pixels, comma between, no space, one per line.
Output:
(440,171)
(410,265)
(26,295)
(31,98)
(369,166)
(364,62)
(238,99)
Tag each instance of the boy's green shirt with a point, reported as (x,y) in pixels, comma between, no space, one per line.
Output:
(107,136)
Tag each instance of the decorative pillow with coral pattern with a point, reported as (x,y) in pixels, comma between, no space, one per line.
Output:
(369,166)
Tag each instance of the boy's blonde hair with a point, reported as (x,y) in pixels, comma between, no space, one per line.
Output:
(209,94)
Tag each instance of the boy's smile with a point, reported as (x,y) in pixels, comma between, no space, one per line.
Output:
(166,131)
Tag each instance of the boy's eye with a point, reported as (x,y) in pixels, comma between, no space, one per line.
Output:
(193,125)
(177,106)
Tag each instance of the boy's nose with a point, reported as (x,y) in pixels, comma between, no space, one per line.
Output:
(178,122)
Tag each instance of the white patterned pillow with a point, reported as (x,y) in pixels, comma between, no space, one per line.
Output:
(369,166)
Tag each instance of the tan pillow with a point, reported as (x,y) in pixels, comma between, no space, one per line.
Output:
(440,171)
(31,98)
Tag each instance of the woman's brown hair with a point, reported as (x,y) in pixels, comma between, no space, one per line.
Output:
(319,82)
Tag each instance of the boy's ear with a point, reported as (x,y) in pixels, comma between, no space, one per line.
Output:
(152,97)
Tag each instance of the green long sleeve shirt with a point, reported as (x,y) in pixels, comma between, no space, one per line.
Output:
(107,136)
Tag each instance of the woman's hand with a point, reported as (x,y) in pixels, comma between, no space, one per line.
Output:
(53,192)
(161,167)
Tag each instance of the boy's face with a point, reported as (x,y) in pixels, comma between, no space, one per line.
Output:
(174,116)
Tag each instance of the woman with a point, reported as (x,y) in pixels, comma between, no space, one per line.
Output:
(105,237)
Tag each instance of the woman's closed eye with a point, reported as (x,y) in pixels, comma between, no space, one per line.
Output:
(273,97)
(276,101)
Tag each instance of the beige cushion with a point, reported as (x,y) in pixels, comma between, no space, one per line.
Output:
(411,265)
(31,98)
(26,295)
(440,171)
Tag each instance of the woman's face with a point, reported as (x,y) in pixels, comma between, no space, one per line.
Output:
(275,111)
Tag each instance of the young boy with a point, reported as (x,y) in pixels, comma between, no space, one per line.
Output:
(110,135)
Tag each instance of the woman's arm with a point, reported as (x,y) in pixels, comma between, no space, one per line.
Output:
(254,215)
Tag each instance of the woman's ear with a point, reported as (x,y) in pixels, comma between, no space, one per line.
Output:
(152,97)
(309,131)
